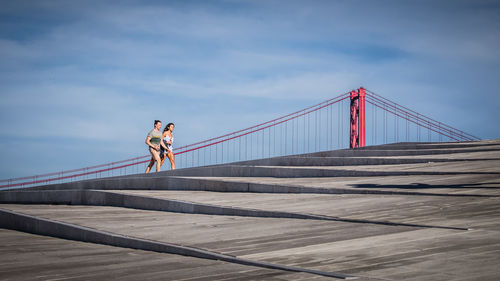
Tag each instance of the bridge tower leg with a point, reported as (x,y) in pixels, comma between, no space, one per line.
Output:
(357,127)
(361,114)
(354,120)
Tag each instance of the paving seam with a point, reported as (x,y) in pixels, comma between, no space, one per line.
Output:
(41,226)
(116,199)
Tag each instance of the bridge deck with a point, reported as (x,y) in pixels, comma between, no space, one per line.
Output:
(443,226)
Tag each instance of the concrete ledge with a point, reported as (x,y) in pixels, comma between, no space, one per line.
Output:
(286,167)
(217,185)
(165,180)
(402,152)
(386,249)
(432,145)
(348,161)
(104,198)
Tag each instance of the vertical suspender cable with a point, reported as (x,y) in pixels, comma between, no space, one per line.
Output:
(269,142)
(251,146)
(262,156)
(316,138)
(293,133)
(341,125)
(304,134)
(286,136)
(308,132)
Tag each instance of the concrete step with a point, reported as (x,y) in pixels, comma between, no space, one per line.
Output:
(374,152)
(397,152)
(165,179)
(301,172)
(221,185)
(124,200)
(367,156)
(261,233)
(432,145)
(348,161)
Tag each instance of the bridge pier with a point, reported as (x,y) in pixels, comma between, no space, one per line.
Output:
(357,138)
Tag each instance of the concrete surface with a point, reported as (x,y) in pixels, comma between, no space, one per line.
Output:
(406,211)
(34,257)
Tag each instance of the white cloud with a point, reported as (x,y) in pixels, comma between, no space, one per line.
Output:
(104,71)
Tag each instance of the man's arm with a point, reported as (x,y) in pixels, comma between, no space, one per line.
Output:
(148,142)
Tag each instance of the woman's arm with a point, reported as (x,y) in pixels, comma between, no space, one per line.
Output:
(171,136)
(162,143)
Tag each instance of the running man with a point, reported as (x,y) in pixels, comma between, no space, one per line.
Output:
(153,141)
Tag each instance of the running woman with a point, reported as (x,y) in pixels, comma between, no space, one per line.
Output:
(168,139)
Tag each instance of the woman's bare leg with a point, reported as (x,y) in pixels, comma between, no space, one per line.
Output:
(171,157)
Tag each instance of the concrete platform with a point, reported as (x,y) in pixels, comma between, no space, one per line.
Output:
(405,211)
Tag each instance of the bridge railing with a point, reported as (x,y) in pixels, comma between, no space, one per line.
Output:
(315,128)
(307,130)
(117,168)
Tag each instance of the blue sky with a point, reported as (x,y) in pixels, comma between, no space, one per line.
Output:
(82,81)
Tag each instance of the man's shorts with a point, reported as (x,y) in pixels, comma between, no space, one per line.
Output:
(155,153)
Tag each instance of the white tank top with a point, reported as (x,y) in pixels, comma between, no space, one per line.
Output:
(166,139)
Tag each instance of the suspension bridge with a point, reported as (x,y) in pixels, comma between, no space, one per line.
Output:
(354,119)
(317,193)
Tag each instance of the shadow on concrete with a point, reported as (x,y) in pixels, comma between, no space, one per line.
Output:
(428,186)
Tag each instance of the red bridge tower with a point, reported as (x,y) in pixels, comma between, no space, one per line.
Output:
(357,118)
